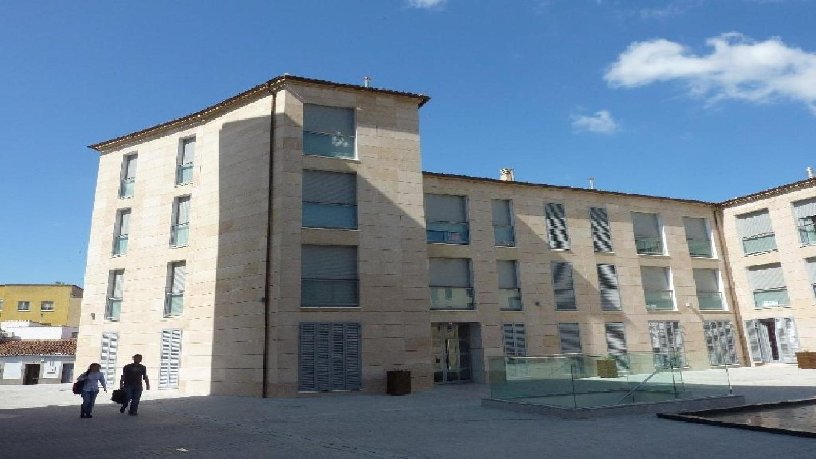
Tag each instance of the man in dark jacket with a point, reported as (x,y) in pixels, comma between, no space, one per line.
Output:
(131,382)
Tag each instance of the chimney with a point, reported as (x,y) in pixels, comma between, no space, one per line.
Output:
(810,172)
(592,183)
(506,175)
(366,81)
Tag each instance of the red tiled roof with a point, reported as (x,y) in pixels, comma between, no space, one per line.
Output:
(38,347)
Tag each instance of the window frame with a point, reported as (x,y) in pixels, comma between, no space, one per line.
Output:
(353,136)
(20,306)
(175,226)
(126,158)
(43,303)
(180,157)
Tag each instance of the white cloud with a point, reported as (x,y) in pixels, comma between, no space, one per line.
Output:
(671,9)
(600,123)
(426,4)
(737,68)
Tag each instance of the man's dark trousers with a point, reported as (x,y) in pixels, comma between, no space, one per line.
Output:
(133,393)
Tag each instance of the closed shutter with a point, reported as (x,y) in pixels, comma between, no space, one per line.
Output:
(608,286)
(329,187)
(601,232)
(667,343)
(450,272)
(787,339)
(804,209)
(328,262)
(654,278)
(130,167)
(178,271)
(110,351)
(570,336)
(515,340)
(706,280)
(329,356)
(445,208)
(557,226)
(615,338)
(188,151)
(501,212)
(170,362)
(328,120)
(117,284)
(507,274)
(563,286)
(766,277)
(811,266)
(754,224)
(182,210)
(124,222)
(645,225)
(696,228)
(752,329)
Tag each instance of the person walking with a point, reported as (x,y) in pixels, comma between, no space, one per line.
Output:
(90,389)
(131,382)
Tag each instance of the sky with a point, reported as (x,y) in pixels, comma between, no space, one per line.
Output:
(700,99)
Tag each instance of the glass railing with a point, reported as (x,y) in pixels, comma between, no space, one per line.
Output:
(700,248)
(179,234)
(581,381)
(120,244)
(113,309)
(319,215)
(807,234)
(451,298)
(174,304)
(324,144)
(710,301)
(510,299)
(649,245)
(770,298)
(126,188)
(661,300)
(329,293)
(759,243)
(184,174)
(448,232)
(504,236)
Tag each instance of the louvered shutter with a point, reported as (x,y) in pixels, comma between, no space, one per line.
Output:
(170,362)
(515,341)
(766,277)
(118,282)
(563,286)
(307,353)
(754,224)
(507,274)
(570,336)
(329,357)
(608,287)
(182,210)
(329,187)
(188,151)
(645,225)
(124,222)
(179,273)
(445,208)
(328,120)
(706,280)
(557,226)
(615,338)
(601,232)
(751,327)
(130,167)
(109,354)
(450,272)
(805,209)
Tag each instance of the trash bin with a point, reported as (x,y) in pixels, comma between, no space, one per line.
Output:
(398,382)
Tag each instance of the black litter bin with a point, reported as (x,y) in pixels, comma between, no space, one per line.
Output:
(398,382)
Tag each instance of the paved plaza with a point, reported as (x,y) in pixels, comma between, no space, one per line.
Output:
(43,422)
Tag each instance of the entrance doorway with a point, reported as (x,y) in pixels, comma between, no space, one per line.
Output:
(451,352)
(32,374)
(67,373)
(772,340)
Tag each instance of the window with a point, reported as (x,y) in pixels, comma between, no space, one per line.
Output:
(23,306)
(503,231)
(329,200)
(128,176)
(601,232)
(180,231)
(328,131)
(556,226)
(46,306)
(811,267)
(515,340)
(170,362)
(768,284)
(174,302)
(667,344)
(1,303)
(184,166)
(113,308)
(329,356)
(805,213)
(772,339)
(328,276)
(446,219)
(121,231)
(756,232)
(608,286)
(709,293)
(569,335)
(697,237)
(657,288)
(107,359)
(451,286)
(719,336)
(563,286)
(616,343)
(509,292)
(648,234)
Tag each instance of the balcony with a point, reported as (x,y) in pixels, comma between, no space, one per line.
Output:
(710,301)
(759,243)
(448,233)
(659,300)
(510,299)
(325,144)
(184,174)
(179,235)
(700,248)
(113,309)
(649,245)
(120,244)
(504,236)
(126,188)
(771,298)
(174,304)
(807,234)
(329,293)
(451,298)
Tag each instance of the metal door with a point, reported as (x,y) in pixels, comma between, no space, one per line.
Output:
(32,374)
(451,349)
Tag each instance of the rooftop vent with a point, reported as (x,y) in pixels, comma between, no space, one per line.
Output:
(506,175)
(366,81)
(592,183)
(809,172)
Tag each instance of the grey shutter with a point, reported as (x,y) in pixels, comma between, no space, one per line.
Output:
(608,287)
(667,343)
(328,262)
(353,365)
(501,212)
(329,357)
(328,120)
(719,338)
(329,187)
(178,271)
(601,232)
(654,278)
(805,209)
(570,337)
(557,226)
(615,338)
(307,376)
(182,210)
(445,208)
(117,284)
(696,228)
(110,351)
(449,272)
(706,280)
(751,328)
(507,274)
(130,167)
(811,266)
(787,339)
(563,285)
(188,151)
(754,223)
(170,361)
(645,225)
(515,341)
(124,222)
(766,277)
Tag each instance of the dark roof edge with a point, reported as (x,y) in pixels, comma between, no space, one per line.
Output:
(273,85)
(770,192)
(564,187)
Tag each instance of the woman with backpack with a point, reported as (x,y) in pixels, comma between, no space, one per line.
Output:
(90,388)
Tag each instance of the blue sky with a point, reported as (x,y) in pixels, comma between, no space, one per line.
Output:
(684,98)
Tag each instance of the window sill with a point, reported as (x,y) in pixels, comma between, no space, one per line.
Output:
(761,253)
(511,310)
(453,310)
(616,311)
(513,246)
(450,243)
(654,255)
(323,308)
(605,252)
(118,255)
(659,311)
(180,185)
(329,228)
(714,311)
(560,250)
(179,246)
(352,160)
(700,257)
(567,310)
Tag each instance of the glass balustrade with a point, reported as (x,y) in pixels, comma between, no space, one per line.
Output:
(504,236)
(320,215)
(113,309)
(649,245)
(184,174)
(770,298)
(174,304)
(510,299)
(325,144)
(759,243)
(126,188)
(179,235)
(700,248)
(448,233)
(120,245)
(710,301)
(662,300)
(451,298)
(329,292)
(807,234)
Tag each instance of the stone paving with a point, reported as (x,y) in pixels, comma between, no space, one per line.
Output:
(43,421)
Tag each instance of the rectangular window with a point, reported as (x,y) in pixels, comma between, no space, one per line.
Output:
(768,284)
(667,344)
(121,231)
(556,226)
(756,232)
(170,362)
(451,284)
(709,292)
(698,238)
(569,335)
(176,275)
(329,200)
(608,286)
(648,234)
(107,359)
(601,232)
(329,356)
(128,176)
(719,336)
(23,306)
(805,213)
(657,288)
(515,340)
(503,231)
(184,166)
(563,286)
(616,343)
(446,219)
(773,340)
(329,276)
(811,267)
(1,303)
(113,308)
(328,131)
(46,306)
(180,231)
(509,292)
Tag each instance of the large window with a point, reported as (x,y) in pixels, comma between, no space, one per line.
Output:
(657,288)
(180,231)
(23,306)
(329,200)
(719,336)
(756,232)
(648,234)
(113,308)
(601,232)
(805,212)
(608,286)
(184,164)
(697,237)
(121,231)
(328,131)
(556,226)
(128,176)
(176,278)
(563,287)
(47,306)
(108,355)
(709,292)
(451,283)
(329,356)
(509,291)
(768,284)
(503,231)
(329,276)
(170,360)
(668,347)
(569,336)
(446,219)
